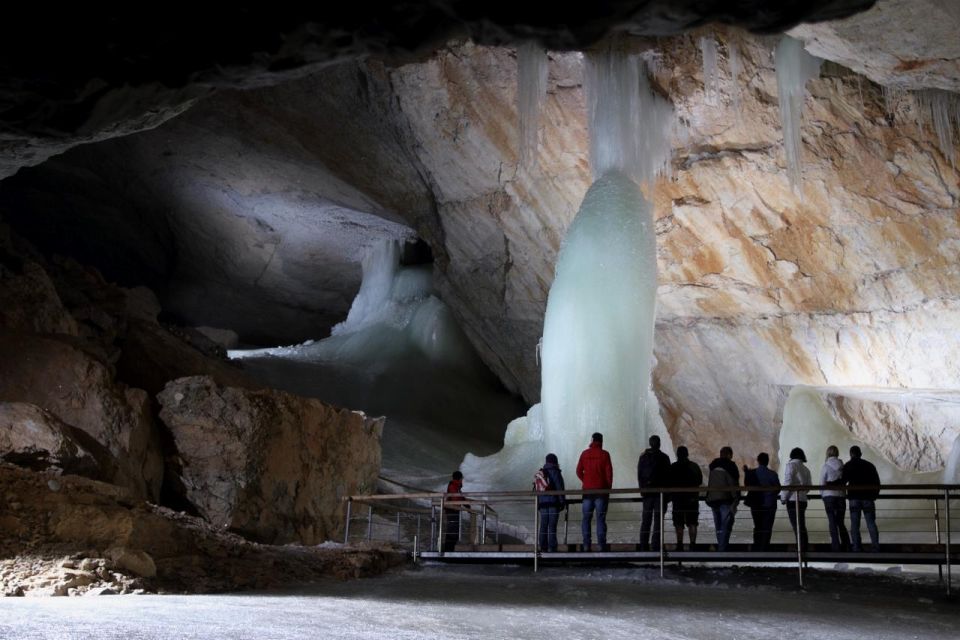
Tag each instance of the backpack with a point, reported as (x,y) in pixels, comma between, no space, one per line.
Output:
(541,482)
(719,477)
(646,470)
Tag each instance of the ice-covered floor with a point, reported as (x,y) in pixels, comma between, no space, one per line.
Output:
(512,602)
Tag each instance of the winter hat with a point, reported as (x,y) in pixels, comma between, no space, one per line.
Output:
(552,457)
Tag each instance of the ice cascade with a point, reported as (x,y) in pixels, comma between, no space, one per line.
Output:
(531,93)
(794,67)
(597,350)
(711,82)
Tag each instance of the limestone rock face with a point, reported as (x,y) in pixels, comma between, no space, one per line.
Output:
(70,380)
(267,464)
(919,48)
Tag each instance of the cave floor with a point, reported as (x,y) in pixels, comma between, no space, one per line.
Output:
(512,602)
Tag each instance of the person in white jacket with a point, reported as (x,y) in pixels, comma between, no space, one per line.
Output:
(796,473)
(834,501)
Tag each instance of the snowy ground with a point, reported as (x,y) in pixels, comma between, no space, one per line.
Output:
(512,602)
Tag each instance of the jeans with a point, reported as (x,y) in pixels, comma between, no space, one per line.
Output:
(549,516)
(792,513)
(591,503)
(651,512)
(723,516)
(451,529)
(868,508)
(836,506)
(763,518)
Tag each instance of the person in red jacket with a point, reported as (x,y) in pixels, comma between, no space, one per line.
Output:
(595,472)
(451,535)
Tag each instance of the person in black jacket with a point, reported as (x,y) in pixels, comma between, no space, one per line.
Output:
(653,468)
(686,506)
(551,506)
(859,472)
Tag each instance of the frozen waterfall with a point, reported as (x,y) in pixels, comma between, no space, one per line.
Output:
(597,350)
(794,67)
(399,353)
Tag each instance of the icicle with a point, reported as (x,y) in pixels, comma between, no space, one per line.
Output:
(891,98)
(629,124)
(531,94)
(943,107)
(733,57)
(794,67)
(708,47)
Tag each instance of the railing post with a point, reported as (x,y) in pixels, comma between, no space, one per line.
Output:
(536,534)
(433,525)
(566,525)
(946,510)
(936,527)
(416,549)
(346,530)
(398,527)
(442,517)
(369,523)
(496,532)
(796,507)
(483,524)
(661,532)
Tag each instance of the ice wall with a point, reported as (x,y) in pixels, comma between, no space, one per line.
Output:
(809,424)
(794,67)
(532,67)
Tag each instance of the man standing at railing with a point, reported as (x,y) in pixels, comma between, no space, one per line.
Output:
(724,475)
(763,504)
(859,472)
(653,467)
(595,472)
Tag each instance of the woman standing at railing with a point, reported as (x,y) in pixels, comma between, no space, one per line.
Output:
(550,506)
(834,502)
(796,473)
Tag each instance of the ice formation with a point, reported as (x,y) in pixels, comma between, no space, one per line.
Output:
(629,123)
(794,67)
(531,93)
(399,353)
(711,81)
(809,424)
(944,109)
(597,350)
(736,66)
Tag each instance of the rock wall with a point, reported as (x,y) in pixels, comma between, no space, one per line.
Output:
(67,535)
(268,464)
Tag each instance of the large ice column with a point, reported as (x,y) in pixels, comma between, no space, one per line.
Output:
(598,330)
(794,67)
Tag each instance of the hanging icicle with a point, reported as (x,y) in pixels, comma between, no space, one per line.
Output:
(794,67)
(711,89)
(629,123)
(531,94)
(944,110)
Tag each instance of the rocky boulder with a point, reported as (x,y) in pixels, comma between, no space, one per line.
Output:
(69,378)
(33,438)
(267,464)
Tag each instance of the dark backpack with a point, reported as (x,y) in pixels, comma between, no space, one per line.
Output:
(647,470)
(719,477)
